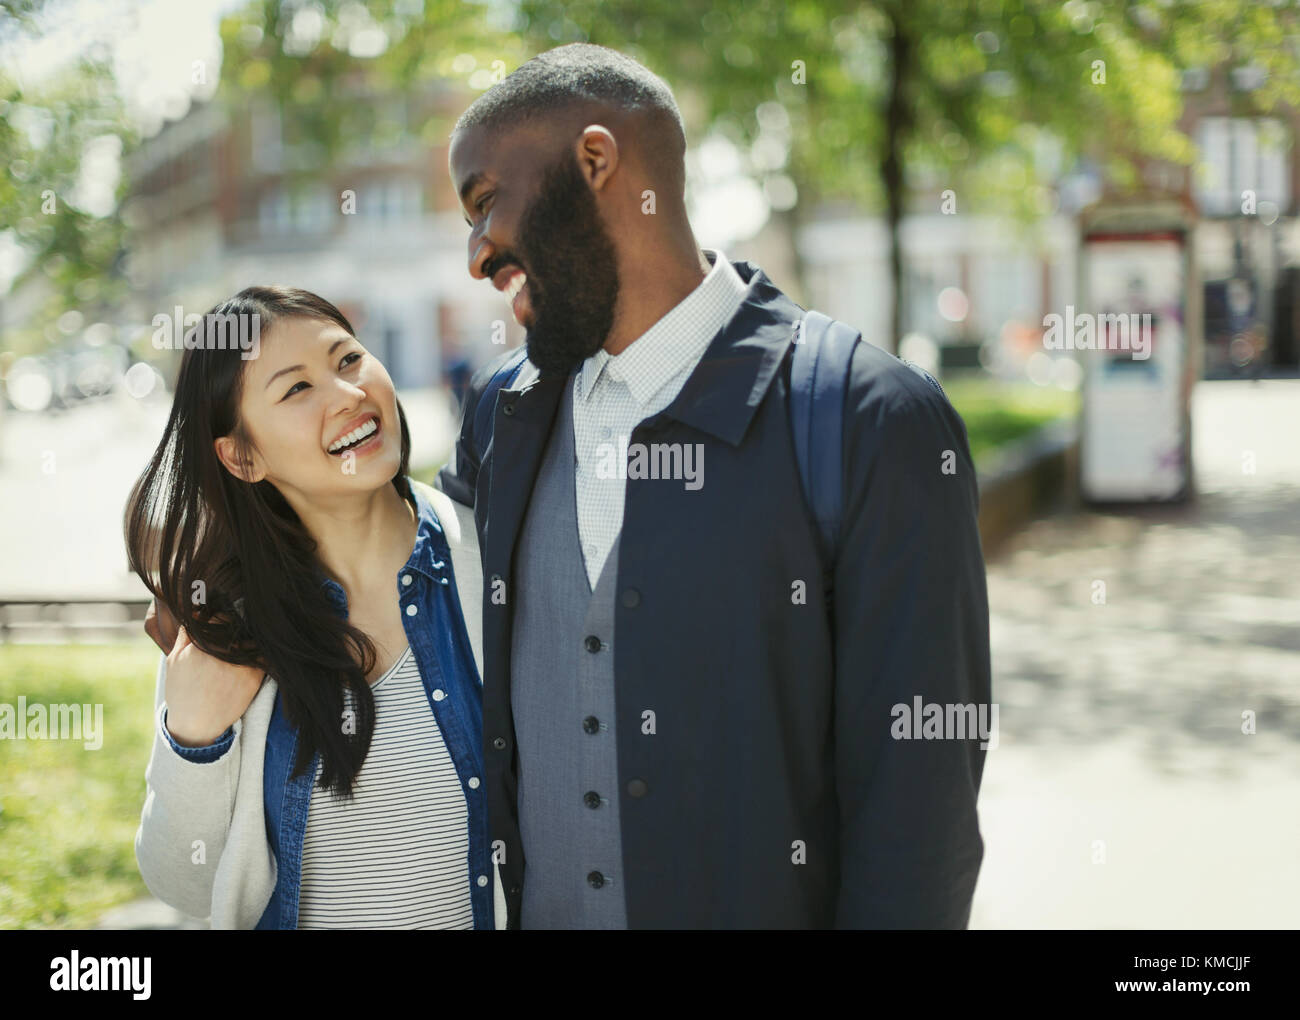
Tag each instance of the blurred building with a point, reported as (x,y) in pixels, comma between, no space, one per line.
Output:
(221,200)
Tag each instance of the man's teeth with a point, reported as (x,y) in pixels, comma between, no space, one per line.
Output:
(515,286)
(356,434)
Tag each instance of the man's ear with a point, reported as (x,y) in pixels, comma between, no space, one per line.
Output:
(228,454)
(597,154)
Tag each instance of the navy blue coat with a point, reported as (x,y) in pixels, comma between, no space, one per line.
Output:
(774,792)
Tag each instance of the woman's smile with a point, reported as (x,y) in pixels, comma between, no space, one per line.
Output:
(360,437)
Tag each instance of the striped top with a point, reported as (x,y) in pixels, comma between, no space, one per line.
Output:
(397,854)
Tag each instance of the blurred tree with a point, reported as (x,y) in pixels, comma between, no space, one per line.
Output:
(891,99)
(321,65)
(59,146)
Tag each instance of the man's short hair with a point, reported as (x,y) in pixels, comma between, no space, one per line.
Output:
(560,79)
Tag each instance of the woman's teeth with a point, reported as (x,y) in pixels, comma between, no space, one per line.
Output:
(355,436)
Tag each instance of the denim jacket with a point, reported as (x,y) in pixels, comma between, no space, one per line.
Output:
(435,628)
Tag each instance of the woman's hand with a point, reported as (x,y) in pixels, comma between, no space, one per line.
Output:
(205,695)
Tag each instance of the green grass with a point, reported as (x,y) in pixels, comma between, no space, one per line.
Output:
(68,815)
(997,413)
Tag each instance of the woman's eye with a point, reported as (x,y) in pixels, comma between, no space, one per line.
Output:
(481,202)
(354,354)
(293,389)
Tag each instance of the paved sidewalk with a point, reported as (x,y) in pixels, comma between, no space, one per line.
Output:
(1121,724)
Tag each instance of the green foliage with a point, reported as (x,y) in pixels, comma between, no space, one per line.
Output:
(997,413)
(318,75)
(46,135)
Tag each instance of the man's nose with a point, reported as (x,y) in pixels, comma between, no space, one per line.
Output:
(480,251)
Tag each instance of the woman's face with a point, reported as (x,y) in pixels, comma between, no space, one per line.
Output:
(321,413)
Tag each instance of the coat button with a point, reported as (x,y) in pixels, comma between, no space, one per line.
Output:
(631,598)
(592,799)
(595,879)
(411,610)
(514,890)
(592,643)
(499,743)
(637,788)
(590,724)
(508,410)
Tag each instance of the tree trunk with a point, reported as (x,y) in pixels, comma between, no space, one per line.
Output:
(898,124)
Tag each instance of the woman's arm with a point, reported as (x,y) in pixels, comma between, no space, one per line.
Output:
(189,799)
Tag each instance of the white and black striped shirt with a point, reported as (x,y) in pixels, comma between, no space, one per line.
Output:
(396,855)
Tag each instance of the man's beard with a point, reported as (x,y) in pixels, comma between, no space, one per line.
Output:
(572,271)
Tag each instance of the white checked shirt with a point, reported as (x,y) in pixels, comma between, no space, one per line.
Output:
(612,395)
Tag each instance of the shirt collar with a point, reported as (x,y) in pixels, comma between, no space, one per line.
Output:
(676,340)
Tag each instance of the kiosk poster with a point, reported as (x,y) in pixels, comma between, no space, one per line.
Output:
(1132,348)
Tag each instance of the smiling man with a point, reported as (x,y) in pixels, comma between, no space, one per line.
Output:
(688,691)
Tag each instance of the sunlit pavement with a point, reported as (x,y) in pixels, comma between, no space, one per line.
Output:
(1124,793)
(64,480)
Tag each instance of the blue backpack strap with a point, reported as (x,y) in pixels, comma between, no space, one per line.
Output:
(819,371)
(485,410)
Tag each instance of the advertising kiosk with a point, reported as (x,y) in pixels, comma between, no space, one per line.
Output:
(1137,338)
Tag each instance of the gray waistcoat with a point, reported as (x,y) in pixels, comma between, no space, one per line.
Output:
(562,695)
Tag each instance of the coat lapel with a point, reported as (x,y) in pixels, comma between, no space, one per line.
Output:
(523,421)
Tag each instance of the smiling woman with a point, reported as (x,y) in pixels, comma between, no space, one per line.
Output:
(319,620)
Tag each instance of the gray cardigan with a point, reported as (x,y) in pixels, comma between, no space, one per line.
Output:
(202,844)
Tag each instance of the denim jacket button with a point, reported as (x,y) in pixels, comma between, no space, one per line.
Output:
(473,782)
(482,880)
(438,695)
(406,579)
(411,610)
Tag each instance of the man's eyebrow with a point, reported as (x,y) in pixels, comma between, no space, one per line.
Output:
(471,182)
(298,368)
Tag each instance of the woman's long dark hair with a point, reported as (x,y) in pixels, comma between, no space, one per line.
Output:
(232,561)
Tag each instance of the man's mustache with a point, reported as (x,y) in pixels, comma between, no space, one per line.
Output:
(496,265)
